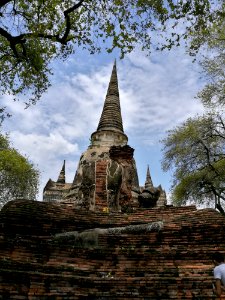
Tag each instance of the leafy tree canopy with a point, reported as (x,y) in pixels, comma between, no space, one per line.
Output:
(195,151)
(34,33)
(213,94)
(18,177)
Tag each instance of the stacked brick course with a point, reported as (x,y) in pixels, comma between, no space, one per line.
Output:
(53,252)
(100,181)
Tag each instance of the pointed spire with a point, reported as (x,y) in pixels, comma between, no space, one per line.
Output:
(62,177)
(148,182)
(111,118)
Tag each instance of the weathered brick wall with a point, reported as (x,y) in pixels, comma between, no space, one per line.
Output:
(51,252)
(100,183)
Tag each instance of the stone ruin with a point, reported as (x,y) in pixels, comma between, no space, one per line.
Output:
(106,177)
(103,237)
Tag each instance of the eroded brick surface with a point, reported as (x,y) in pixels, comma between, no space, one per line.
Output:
(53,252)
(100,182)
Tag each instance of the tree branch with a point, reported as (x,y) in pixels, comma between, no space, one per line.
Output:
(12,40)
(21,39)
(207,151)
(67,18)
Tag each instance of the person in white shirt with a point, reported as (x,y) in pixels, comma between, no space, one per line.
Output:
(219,274)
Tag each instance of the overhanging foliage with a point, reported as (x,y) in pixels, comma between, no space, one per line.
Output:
(34,33)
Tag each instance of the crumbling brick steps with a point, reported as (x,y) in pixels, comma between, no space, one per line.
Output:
(50,252)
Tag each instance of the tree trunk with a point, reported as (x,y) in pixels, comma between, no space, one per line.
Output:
(220,209)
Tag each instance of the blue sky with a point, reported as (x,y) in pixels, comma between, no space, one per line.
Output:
(156,93)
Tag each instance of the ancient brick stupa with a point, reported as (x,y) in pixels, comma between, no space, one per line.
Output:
(106,178)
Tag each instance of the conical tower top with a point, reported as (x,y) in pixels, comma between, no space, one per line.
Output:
(148,182)
(62,177)
(111,118)
(110,128)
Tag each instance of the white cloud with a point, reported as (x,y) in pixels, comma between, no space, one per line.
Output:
(44,146)
(158,93)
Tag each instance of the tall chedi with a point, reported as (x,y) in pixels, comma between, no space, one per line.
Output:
(110,128)
(106,177)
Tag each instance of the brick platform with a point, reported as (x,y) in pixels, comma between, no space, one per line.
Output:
(52,252)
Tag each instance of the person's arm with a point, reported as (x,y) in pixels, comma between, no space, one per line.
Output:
(218,289)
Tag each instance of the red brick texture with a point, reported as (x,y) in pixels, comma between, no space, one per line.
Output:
(51,252)
(100,181)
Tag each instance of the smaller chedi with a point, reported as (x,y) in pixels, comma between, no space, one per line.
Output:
(56,190)
(151,196)
(106,178)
